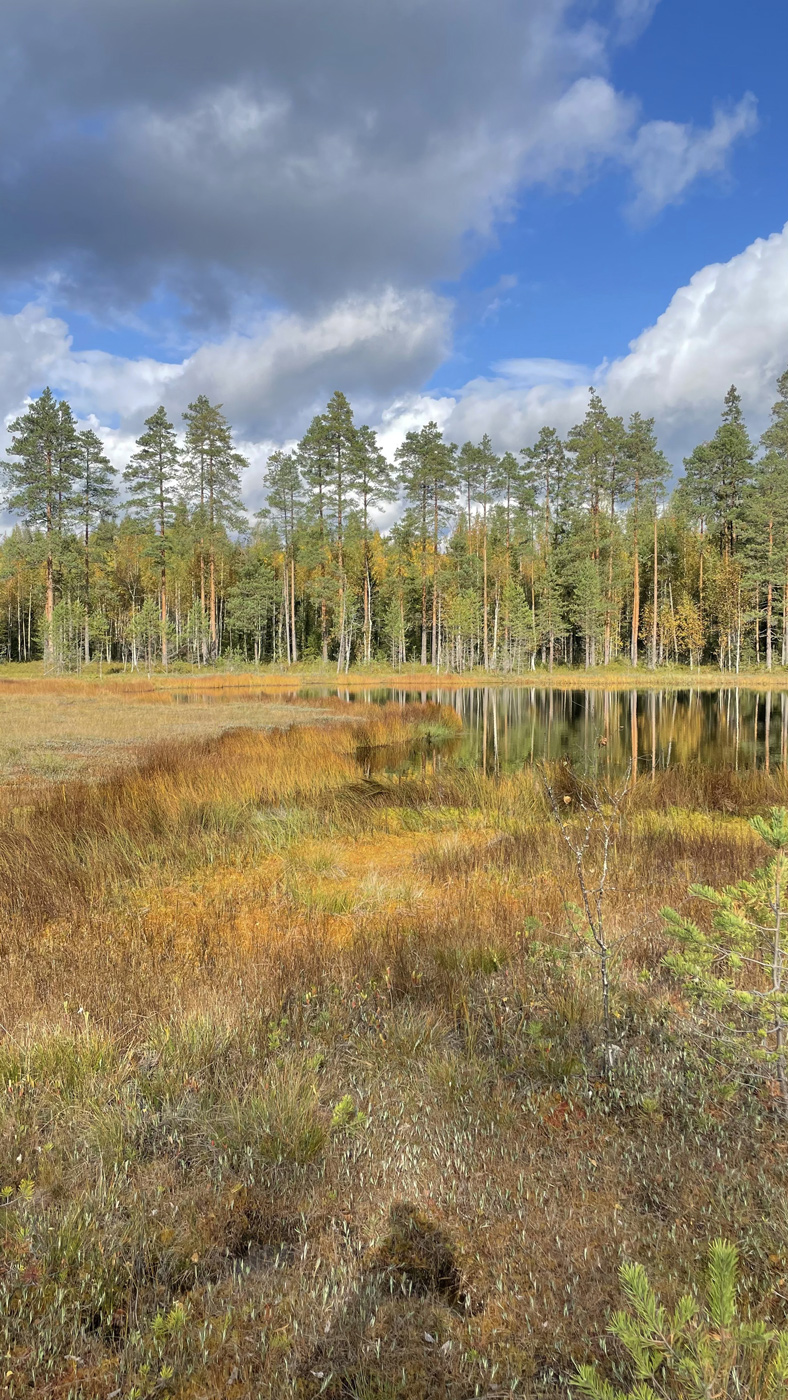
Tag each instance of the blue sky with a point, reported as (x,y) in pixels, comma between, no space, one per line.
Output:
(588,279)
(460,209)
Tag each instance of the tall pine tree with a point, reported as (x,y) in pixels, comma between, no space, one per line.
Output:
(95,494)
(211,474)
(39,481)
(152,478)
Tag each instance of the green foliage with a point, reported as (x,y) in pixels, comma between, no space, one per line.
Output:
(555,554)
(699,1351)
(42,466)
(151,475)
(735,969)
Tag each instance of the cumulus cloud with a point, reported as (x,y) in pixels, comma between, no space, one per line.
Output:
(270,379)
(728,325)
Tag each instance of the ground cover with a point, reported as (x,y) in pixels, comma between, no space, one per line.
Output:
(303,1084)
(223,677)
(53,729)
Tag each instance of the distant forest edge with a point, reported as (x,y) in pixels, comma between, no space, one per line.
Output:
(570,552)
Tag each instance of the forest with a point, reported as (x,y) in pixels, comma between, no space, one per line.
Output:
(573,552)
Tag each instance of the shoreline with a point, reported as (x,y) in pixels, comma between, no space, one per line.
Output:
(301,677)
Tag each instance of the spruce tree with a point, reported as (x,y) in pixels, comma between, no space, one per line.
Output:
(152,478)
(719,471)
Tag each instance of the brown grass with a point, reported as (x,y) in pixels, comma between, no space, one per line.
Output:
(302,1082)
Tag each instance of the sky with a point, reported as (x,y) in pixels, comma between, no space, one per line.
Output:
(461,210)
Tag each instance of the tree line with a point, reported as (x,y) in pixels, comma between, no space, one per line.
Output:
(572,551)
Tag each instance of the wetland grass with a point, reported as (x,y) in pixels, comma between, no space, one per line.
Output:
(302,1074)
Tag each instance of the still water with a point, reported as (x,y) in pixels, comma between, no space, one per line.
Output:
(601,731)
(606,731)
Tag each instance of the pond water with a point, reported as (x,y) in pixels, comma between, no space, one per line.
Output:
(606,731)
(602,731)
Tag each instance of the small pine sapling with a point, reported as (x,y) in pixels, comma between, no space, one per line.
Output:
(735,971)
(699,1351)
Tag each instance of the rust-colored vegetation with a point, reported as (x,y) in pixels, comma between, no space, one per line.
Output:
(302,1080)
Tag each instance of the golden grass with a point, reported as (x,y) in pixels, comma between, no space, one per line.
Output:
(301,1076)
(54,730)
(29,677)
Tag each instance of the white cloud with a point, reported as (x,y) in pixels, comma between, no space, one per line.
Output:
(728,325)
(666,158)
(633,17)
(589,123)
(270,380)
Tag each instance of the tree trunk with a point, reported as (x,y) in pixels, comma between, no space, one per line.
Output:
(486,603)
(656,596)
(635,598)
(294,645)
(769,601)
(164,614)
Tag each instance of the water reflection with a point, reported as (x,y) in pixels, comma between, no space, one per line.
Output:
(606,731)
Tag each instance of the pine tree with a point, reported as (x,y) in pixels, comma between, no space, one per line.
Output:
(39,486)
(329,452)
(487,487)
(376,484)
(771,500)
(545,471)
(426,466)
(152,477)
(705,1347)
(212,482)
(95,495)
(596,482)
(648,471)
(735,973)
(285,501)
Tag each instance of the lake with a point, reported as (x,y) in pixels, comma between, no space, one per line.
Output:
(604,730)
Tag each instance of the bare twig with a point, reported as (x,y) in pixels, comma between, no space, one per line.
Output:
(602,810)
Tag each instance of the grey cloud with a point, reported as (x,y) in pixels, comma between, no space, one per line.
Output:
(285,148)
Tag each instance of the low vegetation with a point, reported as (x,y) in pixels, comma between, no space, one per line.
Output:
(305,1084)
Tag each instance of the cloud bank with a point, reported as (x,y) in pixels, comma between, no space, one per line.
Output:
(728,325)
(216,159)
